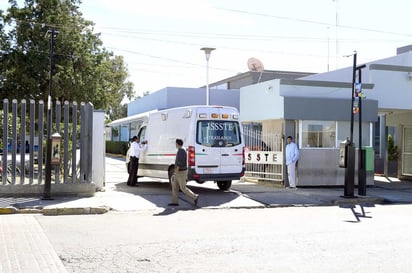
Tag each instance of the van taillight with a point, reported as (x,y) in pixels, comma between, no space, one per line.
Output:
(191,156)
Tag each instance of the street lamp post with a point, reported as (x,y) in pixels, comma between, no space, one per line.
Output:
(52,33)
(349,183)
(361,153)
(208,51)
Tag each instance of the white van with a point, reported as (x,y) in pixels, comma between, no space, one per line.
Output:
(212,136)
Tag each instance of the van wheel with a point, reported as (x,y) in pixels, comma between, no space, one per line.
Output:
(171,176)
(224,185)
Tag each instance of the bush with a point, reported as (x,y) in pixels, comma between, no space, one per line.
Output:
(392,149)
(117,147)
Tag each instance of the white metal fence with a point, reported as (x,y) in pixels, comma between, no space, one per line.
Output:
(22,143)
(263,155)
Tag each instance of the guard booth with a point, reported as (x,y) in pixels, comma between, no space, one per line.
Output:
(318,123)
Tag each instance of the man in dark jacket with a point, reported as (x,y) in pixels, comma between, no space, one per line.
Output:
(181,176)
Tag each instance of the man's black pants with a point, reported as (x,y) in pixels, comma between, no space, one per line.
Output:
(134,166)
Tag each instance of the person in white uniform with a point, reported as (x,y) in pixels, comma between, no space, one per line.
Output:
(135,149)
(292,157)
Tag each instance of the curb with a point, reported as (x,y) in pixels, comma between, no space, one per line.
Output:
(74,211)
(8,210)
(55,211)
(363,201)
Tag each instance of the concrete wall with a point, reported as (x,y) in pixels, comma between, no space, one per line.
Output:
(320,89)
(99,149)
(156,100)
(327,109)
(261,102)
(399,118)
(320,167)
(393,87)
(272,127)
(346,74)
(171,97)
(390,77)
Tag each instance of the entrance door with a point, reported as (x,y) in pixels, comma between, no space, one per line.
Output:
(407,151)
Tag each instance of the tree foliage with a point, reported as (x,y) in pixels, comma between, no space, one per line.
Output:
(9,125)
(392,149)
(83,69)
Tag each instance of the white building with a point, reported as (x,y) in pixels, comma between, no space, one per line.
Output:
(316,110)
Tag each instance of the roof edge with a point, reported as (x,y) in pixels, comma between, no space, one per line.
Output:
(323,83)
(388,67)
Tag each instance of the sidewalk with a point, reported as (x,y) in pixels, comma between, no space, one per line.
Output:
(155,196)
(24,247)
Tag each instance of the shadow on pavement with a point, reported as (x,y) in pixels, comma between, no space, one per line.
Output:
(358,215)
(35,202)
(160,194)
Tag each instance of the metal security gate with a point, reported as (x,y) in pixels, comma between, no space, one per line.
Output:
(23,145)
(263,155)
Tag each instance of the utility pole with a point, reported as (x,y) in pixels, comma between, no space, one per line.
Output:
(52,33)
(349,185)
(361,151)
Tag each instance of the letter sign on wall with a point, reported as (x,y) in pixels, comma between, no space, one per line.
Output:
(264,157)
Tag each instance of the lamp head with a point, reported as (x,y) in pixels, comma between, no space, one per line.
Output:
(207,51)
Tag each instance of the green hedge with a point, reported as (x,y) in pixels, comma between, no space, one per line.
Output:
(117,147)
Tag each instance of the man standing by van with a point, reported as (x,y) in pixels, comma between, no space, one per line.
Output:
(135,149)
(292,157)
(181,176)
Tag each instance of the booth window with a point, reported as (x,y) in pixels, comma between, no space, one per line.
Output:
(344,132)
(318,134)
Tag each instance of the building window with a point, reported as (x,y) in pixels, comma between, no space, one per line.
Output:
(318,134)
(344,133)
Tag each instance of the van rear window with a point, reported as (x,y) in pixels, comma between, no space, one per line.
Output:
(218,133)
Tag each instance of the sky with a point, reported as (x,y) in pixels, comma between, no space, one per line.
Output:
(160,40)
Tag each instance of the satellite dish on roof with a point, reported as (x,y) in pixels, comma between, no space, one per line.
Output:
(255,65)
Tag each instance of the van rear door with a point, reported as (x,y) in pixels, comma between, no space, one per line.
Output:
(219,148)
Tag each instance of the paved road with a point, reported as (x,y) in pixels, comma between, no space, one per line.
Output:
(142,234)
(291,239)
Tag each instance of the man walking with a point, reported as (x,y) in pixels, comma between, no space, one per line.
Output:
(292,156)
(181,176)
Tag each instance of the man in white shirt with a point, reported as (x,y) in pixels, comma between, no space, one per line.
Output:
(292,156)
(135,149)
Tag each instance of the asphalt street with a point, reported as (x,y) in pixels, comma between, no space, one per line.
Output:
(251,228)
(323,239)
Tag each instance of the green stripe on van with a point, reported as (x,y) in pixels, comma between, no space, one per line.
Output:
(161,154)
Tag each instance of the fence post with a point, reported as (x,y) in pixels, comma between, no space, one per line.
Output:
(66,142)
(89,139)
(41,135)
(58,120)
(32,114)
(13,140)
(74,142)
(22,141)
(5,139)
